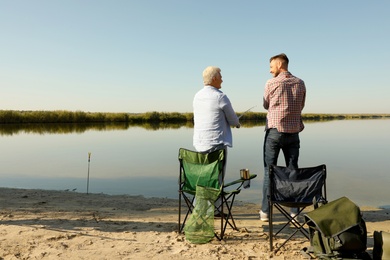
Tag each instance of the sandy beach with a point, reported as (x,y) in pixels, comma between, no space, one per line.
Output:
(41,224)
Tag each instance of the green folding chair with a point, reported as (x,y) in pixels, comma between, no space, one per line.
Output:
(206,170)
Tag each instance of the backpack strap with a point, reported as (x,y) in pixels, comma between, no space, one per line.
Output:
(307,252)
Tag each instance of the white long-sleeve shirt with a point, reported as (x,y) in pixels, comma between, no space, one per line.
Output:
(213,118)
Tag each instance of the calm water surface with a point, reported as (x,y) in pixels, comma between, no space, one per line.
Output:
(137,161)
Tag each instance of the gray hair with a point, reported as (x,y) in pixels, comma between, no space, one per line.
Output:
(209,73)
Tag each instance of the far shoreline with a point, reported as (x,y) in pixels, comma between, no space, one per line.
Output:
(64,116)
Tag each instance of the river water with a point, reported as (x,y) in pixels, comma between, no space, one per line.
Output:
(139,160)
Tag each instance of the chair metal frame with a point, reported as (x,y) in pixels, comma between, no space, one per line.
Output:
(227,197)
(277,199)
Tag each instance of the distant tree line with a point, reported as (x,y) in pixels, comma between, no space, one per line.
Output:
(63,116)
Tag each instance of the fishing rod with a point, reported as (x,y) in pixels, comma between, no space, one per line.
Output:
(246,111)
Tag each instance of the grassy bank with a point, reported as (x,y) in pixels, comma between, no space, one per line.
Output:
(28,117)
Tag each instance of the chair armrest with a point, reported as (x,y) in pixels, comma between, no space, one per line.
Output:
(240,181)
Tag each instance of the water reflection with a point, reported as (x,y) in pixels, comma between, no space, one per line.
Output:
(67,128)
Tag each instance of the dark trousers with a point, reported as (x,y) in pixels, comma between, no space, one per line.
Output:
(274,142)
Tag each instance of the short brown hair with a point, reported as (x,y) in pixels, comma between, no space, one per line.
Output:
(282,57)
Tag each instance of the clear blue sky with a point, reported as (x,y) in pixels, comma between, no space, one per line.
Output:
(148,55)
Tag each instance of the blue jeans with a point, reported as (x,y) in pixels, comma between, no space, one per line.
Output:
(273,142)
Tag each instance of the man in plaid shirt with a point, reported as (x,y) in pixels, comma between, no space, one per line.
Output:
(284,98)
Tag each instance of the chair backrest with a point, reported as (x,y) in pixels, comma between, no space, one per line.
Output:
(297,185)
(197,168)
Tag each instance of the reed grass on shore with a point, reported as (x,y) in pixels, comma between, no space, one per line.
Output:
(63,116)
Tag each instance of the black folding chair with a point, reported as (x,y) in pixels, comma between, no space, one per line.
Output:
(294,188)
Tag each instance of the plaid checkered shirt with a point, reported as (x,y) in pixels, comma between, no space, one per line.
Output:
(284,98)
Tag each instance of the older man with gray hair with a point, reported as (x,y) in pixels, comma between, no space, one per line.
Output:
(213,117)
(213,114)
